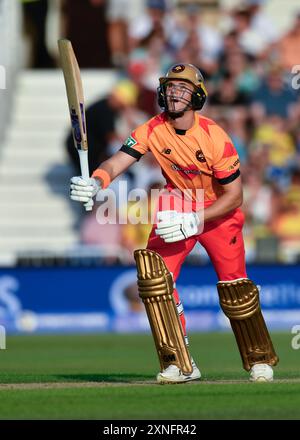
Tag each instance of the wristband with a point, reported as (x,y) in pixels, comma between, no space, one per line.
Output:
(102,175)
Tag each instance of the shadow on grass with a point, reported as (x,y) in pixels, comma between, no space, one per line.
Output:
(110,377)
(88,377)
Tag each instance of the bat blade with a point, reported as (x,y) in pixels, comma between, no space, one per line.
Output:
(75,97)
(74,93)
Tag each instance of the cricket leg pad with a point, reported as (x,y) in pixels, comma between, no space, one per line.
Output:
(155,285)
(239,300)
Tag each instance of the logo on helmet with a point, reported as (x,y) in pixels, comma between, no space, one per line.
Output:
(178,68)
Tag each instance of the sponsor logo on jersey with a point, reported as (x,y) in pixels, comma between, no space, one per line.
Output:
(130,142)
(200,156)
(187,172)
(235,163)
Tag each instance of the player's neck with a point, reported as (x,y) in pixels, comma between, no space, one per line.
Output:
(185,122)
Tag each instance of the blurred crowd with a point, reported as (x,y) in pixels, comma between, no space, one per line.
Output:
(252,73)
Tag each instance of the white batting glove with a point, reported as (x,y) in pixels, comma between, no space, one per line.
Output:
(175,226)
(83,190)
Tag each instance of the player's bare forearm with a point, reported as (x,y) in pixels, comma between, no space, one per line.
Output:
(117,164)
(231,199)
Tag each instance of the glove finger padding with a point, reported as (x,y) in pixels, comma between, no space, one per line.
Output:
(88,188)
(168,217)
(167,229)
(171,238)
(174,239)
(81,193)
(77,180)
(80,198)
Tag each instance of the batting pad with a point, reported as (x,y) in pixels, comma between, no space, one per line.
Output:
(239,300)
(155,286)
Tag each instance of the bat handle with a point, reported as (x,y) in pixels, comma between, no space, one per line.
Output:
(84,166)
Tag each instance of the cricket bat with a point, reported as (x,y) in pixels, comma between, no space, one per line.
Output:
(75,97)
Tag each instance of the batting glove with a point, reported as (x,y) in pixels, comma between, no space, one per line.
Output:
(175,226)
(83,190)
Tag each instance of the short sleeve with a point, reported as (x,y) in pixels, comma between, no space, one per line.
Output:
(226,161)
(136,145)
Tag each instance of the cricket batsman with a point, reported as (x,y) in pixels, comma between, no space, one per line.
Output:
(194,153)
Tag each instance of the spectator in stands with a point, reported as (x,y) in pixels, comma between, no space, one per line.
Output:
(288,46)
(95,233)
(242,69)
(140,72)
(150,54)
(233,121)
(286,225)
(260,22)
(106,238)
(230,45)
(257,159)
(227,93)
(86,26)
(147,61)
(297,141)
(273,97)
(155,21)
(196,42)
(292,195)
(255,30)
(273,137)
(35,16)
(260,199)
(119,14)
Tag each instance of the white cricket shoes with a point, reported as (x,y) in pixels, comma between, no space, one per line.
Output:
(172,374)
(261,373)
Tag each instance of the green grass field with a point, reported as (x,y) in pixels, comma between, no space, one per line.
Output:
(113,377)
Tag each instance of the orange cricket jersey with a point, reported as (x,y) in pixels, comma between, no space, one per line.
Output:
(202,157)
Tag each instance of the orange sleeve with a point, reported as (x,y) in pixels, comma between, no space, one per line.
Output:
(136,144)
(226,161)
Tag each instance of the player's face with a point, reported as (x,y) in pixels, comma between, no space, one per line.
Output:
(178,94)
